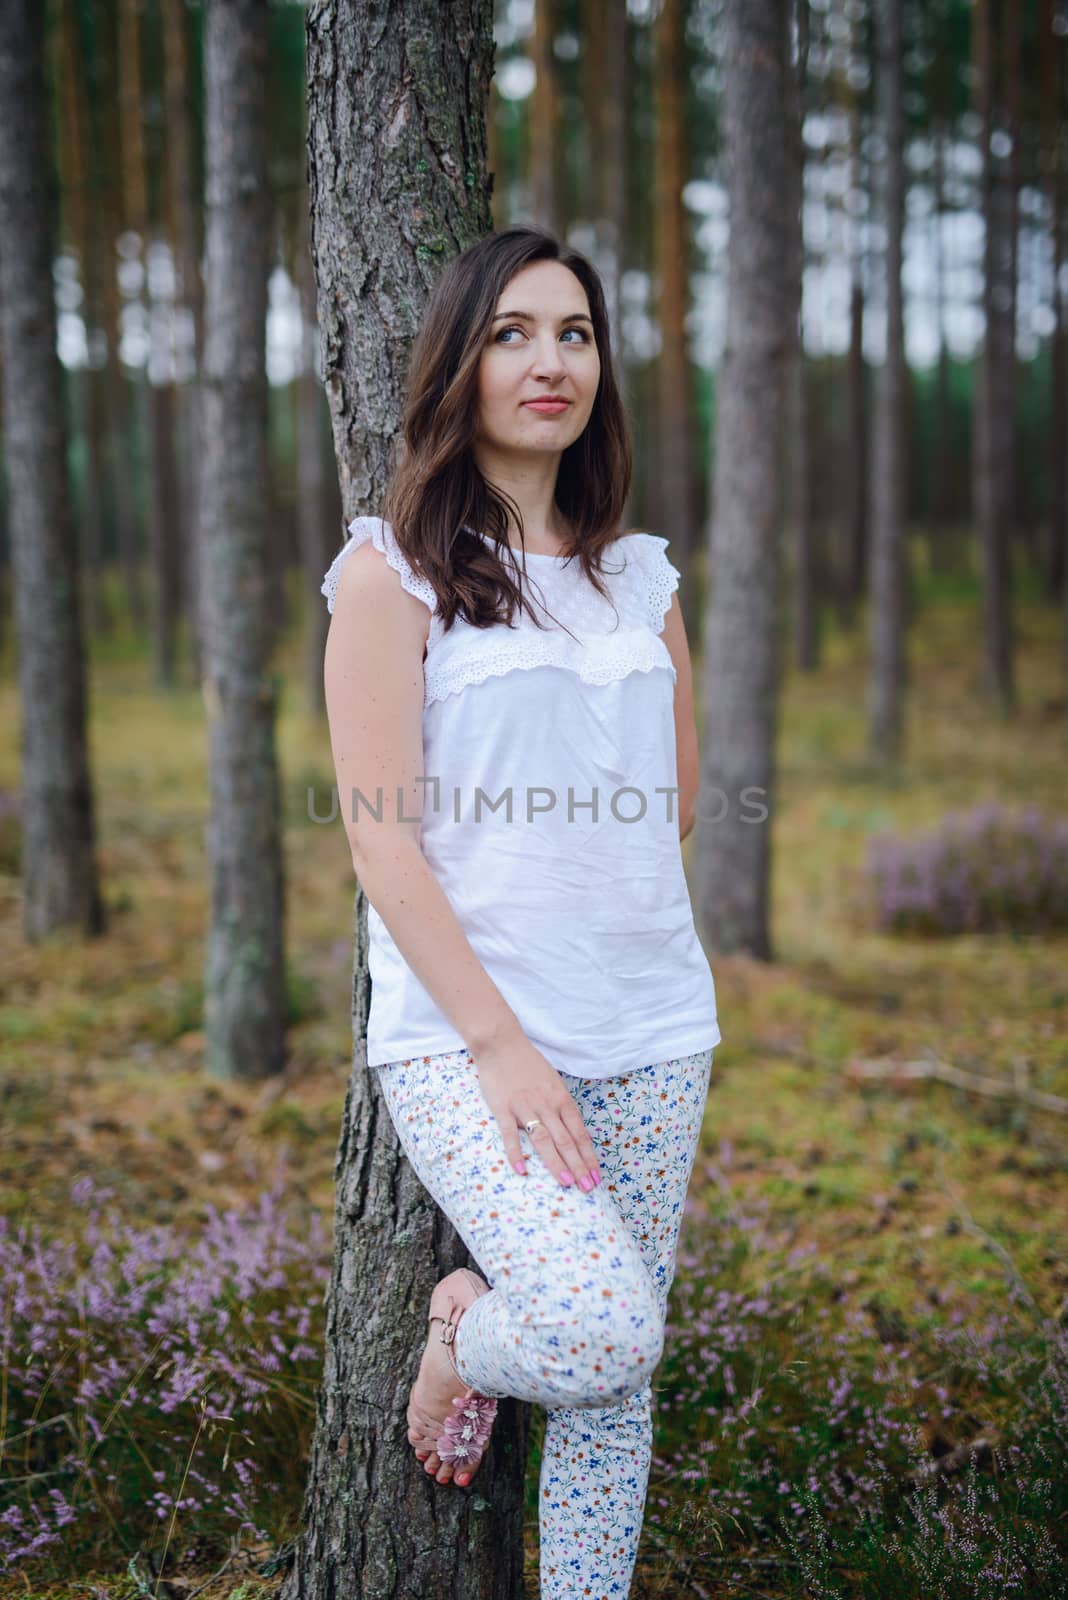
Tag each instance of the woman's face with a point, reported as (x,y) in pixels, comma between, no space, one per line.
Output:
(540,343)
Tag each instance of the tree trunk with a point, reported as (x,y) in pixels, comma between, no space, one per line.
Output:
(1051,94)
(495,159)
(677,500)
(941,507)
(167,519)
(118,424)
(244,968)
(854,567)
(887,673)
(312,525)
(60,885)
(155,410)
(83,236)
(545,165)
(741,667)
(800,440)
(993,452)
(186,232)
(605,62)
(1054,78)
(1013,25)
(409,135)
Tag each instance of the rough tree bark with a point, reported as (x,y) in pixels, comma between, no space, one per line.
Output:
(741,659)
(244,967)
(397,172)
(59,873)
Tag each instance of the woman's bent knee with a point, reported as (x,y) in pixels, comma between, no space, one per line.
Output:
(635,1362)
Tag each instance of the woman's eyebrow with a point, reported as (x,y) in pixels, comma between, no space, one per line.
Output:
(528,316)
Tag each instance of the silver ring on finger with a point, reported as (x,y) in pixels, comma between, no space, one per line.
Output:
(535,1122)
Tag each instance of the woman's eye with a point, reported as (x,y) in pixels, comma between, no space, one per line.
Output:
(514,329)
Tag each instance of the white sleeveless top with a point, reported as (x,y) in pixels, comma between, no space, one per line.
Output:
(553,822)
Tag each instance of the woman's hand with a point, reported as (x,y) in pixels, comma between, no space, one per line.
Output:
(519,1084)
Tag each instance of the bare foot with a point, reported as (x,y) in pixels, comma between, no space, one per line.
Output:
(437,1384)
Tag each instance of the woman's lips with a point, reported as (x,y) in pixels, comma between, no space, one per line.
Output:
(548,408)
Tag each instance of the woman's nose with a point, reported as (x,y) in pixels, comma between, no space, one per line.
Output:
(547,359)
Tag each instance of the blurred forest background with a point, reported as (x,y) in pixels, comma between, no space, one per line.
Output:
(865,1391)
(597,114)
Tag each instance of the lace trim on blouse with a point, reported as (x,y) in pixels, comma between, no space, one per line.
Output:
(616,655)
(373,528)
(642,592)
(663,578)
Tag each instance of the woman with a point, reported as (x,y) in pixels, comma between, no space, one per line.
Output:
(510,703)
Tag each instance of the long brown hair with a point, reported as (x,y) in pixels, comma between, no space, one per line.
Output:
(436,487)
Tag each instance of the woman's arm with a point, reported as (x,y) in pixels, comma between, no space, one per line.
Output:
(689,772)
(373,680)
(373,674)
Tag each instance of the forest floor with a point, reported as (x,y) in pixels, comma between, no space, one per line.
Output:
(900,1189)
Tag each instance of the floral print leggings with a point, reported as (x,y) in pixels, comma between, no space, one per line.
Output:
(574,1320)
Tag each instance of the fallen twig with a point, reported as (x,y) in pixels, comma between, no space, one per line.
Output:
(901,1072)
(973,1450)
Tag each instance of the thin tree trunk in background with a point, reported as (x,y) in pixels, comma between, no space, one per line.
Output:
(673,409)
(289,244)
(161,512)
(993,453)
(244,972)
(407,132)
(639,254)
(74,147)
(119,425)
(6,583)
(313,533)
(1053,78)
(605,66)
(941,538)
(853,568)
(1013,22)
(741,669)
(942,509)
(168,519)
(494,160)
(547,199)
(290,249)
(804,587)
(886,624)
(186,235)
(166,488)
(59,872)
(1051,91)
